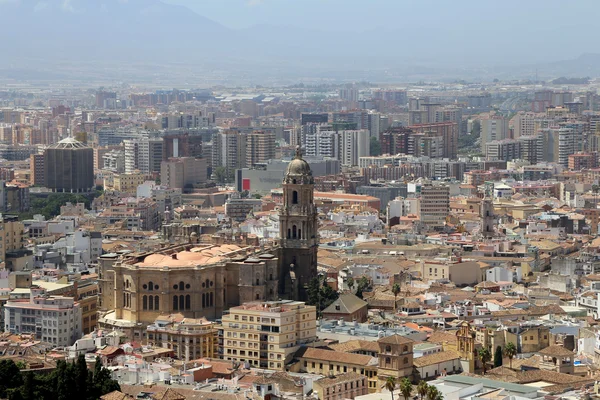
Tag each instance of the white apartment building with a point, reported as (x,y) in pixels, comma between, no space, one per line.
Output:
(144,155)
(267,334)
(493,128)
(53,319)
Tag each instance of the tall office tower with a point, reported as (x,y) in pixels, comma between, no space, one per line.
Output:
(36,166)
(435,204)
(503,150)
(260,147)
(523,124)
(349,94)
(180,173)
(377,123)
(314,118)
(423,145)
(448,131)
(144,155)
(560,99)
(69,167)
(298,231)
(229,150)
(353,145)
(567,145)
(182,145)
(495,127)
(531,148)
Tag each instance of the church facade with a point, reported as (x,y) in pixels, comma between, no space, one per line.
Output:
(204,280)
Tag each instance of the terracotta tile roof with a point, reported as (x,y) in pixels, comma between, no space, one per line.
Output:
(116,395)
(436,358)
(347,377)
(441,337)
(336,356)
(396,339)
(356,345)
(556,350)
(168,394)
(348,303)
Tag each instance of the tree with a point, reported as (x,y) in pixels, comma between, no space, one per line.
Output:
(223,175)
(422,389)
(511,351)
(390,385)
(498,357)
(81,376)
(396,291)
(405,388)
(350,282)
(10,377)
(320,295)
(485,357)
(363,284)
(433,393)
(374,146)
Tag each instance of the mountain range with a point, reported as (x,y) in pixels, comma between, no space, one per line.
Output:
(120,37)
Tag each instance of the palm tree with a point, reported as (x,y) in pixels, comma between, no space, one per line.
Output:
(395,290)
(485,357)
(422,389)
(405,388)
(390,384)
(433,393)
(510,350)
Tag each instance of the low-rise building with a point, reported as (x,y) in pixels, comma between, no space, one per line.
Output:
(343,386)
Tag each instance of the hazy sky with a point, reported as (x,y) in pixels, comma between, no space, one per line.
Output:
(514,17)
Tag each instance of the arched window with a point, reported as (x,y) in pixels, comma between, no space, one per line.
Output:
(211,299)
(124,299)
(289,233)
(156,303)
(151,305)
(188,302)
(294,231)
(181,302)
(299,233)
(271,291)
(388,349)
(203,300)
(294,197)
(207,283)
(405,349)
(150,285)
(257,296)
(175,303)
(144,303)
(405,360)
(294,181)
(180,285)
(388,360)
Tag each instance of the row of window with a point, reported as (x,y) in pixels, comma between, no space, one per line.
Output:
(150,303)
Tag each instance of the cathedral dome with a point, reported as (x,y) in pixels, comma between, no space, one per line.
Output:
(298,169)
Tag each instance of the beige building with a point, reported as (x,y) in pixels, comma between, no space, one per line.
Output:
(189,338)
(194,280)
(453,269)
(344,386)
(127,182)
(260,147)
(177,173)
(267,334)
(395,358)
(329,362)
(435,204)
(12,236)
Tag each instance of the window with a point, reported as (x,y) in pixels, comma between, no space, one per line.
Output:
(188,304)
(294,197)
(175,303)
(180,285)
(156,303)
(405,360)
(150,285)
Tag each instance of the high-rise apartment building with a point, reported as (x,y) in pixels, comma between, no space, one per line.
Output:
(353,145)
(523,124)
(505,150)
(229,150)
(579,161)
(495,127)
(567,145)
(36,166)
(267,334)
(435,204)
(531,148)
(349,94)
(143,154)
(260,147)
(182,145)
(447,131)
(69,167)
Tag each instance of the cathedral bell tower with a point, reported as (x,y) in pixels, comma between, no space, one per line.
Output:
(298,225)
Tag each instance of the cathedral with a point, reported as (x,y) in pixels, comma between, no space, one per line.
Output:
(298,226)
(203,280)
